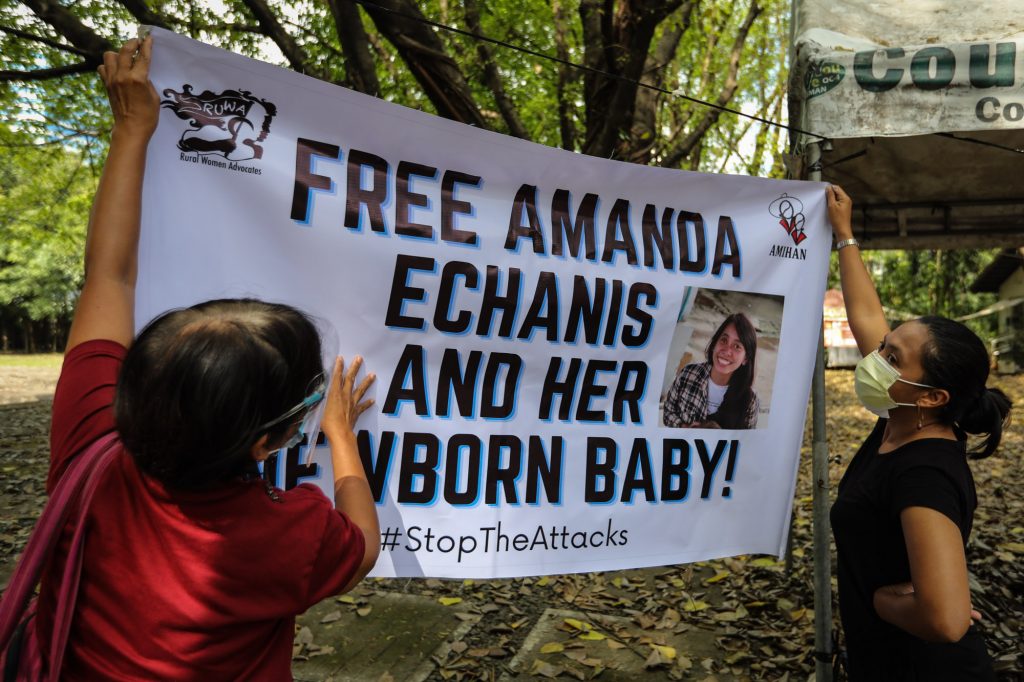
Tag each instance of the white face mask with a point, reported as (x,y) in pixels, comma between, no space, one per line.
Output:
(872,380)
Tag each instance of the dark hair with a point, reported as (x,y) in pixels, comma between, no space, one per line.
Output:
(955,359)
(732,413)
(197,384)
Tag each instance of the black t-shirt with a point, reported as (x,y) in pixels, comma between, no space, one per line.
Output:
(872,552)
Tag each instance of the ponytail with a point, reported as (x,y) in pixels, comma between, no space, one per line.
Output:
(955,359)
(986,416)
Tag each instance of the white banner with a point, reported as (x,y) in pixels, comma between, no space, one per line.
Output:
(551,332)
(851,88)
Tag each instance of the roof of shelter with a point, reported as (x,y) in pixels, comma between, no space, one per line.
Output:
(919,102)
(998,271)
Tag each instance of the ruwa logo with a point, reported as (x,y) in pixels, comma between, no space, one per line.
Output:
(231,124)
(790,212)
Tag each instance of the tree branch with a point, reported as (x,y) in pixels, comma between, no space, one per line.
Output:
(273,29)
(360,68)
(46,74)
(45,41)
(230,27)
(313,35)
(71,27)
(492,77)
(143,14)
(566,126)
(593,44)
(768,134)
(401,22)
(711,116)
(732,144)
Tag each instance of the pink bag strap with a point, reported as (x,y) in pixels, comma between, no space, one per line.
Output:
(65,498)
(68,594)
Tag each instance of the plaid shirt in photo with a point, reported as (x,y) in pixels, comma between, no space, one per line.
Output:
(687,400)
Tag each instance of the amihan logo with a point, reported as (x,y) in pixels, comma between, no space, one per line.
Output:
(232,124)
(790,213)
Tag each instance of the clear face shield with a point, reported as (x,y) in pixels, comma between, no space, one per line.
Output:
(310,427)
(309,411)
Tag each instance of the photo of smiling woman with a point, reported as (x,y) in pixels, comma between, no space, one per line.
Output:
(718,393)
(719,365)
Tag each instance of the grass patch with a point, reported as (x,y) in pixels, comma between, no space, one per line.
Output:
(31,359)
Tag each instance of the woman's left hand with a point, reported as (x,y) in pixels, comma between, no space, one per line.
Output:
(905,589)
(345,399)
(840,212)
(133,99)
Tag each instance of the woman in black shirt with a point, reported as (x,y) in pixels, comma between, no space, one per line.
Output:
(906,502)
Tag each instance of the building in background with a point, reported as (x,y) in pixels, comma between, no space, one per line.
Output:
(840,346)
(1005,277)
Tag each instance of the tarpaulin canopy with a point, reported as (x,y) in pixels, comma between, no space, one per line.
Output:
(922,103)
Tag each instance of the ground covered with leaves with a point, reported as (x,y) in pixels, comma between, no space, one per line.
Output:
(757,612)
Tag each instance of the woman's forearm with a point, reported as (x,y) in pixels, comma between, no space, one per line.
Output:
(863,307)
(352,495)
(906,610)
(112,248)
(106,308)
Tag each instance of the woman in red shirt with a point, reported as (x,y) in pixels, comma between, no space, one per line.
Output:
(194,568)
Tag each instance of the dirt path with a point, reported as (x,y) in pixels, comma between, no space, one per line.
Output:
(754,615)
(22,383)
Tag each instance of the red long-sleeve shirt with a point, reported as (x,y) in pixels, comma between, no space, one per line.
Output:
(184,586)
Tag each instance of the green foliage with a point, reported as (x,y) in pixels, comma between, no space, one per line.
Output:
(698,70)
(734,144)
(71,110)
(73,106)
(915,283)
(58,126)
(45,195)
(530,82)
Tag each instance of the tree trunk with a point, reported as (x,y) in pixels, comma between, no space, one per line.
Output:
(30,345)
(566,126)
(644,132)
(272,28)
(616,40)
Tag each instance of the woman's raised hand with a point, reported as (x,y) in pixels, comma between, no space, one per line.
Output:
(840,212)
(133,99)
(345,399)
